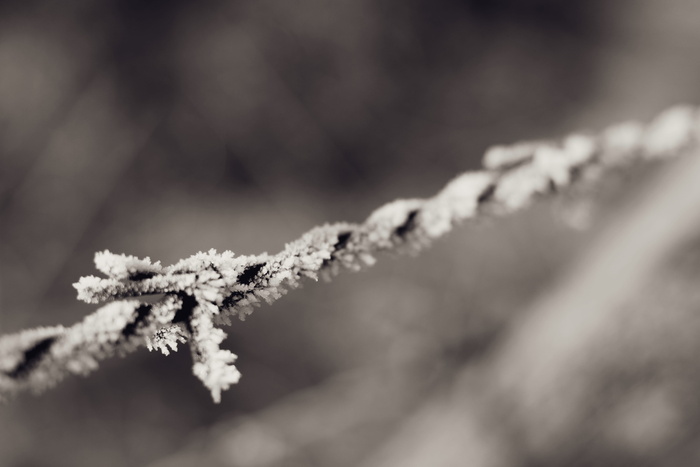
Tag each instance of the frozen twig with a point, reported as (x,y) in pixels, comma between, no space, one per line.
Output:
(200,293)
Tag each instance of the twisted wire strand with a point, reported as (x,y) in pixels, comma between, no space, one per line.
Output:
(200,293)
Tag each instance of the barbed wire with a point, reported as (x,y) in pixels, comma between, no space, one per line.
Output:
(199,294)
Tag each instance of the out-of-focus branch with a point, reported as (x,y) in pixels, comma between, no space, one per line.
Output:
(200,292)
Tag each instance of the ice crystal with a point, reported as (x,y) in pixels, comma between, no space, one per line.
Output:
(212,365)
(123,267)
(166,339)
(503,157)
(459,200)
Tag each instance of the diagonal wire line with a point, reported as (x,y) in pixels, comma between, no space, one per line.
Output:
(201,292)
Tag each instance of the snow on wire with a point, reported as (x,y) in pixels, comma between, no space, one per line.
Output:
(199,294)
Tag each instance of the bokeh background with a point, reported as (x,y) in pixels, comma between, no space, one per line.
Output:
(162,128)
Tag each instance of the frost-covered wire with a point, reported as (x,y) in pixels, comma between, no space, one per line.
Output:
(200,293)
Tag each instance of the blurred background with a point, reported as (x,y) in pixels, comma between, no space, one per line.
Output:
(162,128)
